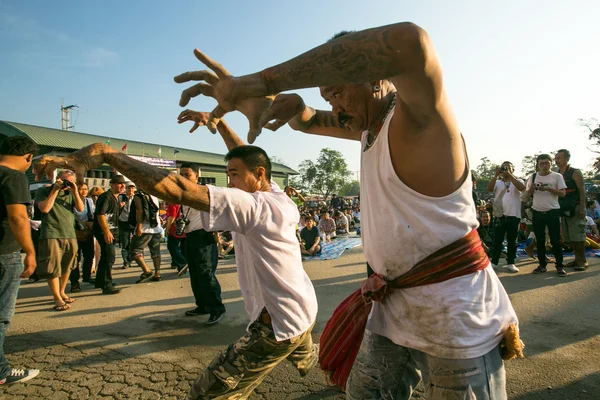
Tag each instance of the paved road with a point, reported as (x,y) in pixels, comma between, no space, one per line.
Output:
(139,344)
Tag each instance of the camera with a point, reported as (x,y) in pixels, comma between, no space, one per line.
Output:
(504,168)
(538,185)
(66,185)
(180,224)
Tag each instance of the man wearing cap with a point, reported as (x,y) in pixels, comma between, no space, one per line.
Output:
(125,229)
(106,222)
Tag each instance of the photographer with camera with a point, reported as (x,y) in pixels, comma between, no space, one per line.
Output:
(202,257)
(572,208)
(176,238)
(546,187)
(507,213)
(57,246)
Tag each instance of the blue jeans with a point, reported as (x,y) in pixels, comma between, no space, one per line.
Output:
(11,266)
(176,246)
(385,370)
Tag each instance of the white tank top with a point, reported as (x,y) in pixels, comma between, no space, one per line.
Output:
(461,318)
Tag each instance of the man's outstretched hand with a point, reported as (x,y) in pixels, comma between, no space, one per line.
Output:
(89,157)
(200,118)
(231,93)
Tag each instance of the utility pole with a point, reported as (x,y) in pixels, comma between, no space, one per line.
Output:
(65,113)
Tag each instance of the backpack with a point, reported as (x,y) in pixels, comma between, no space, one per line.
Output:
(149,210)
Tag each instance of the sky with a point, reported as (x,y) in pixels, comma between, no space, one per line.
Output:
(519,73)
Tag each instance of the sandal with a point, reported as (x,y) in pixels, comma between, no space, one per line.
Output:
(69,300)
(62,307)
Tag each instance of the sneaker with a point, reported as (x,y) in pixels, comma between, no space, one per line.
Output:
(33,278)
(145,277)
(155,278)
(581,267)
(75,288)
(183,270)
(511,268)
(214,319)
(19,375)
(561,272)
(540,270)
(197,311)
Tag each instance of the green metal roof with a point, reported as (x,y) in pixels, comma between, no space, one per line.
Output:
(58,138)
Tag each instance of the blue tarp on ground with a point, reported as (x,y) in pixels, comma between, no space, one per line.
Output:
(336,248)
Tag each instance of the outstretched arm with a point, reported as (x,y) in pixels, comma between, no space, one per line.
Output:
(170,187)
(201,118)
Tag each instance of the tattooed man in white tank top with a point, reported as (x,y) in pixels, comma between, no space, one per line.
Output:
(386,90)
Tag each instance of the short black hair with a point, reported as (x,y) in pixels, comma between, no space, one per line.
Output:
(193,166)
(543,157)
(18,146)
(566,152)
(590,203)
(252,156)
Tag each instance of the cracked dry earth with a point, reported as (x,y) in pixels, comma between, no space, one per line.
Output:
(140,345)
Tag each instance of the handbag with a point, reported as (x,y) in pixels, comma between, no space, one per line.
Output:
(82,230)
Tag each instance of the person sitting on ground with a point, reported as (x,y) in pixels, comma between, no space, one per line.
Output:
(593,212)
(326,227)
(356,215)
(311,239)
(224,243)
(341,222)
(486,231)
(315,216)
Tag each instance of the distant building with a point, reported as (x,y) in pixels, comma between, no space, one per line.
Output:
(58,142)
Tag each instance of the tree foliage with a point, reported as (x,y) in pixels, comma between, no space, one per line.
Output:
(351,188)
(325,176)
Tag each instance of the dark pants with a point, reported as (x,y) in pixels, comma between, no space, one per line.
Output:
(176,247)
(202,258)
(85,257)
(107,259)
(508,226)
(125,233)
(551,219)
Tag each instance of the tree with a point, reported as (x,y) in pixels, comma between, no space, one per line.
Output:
(351,188)
(593,126)
(325,176)
(484,172)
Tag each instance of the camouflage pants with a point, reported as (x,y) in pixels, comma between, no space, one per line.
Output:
(235,373)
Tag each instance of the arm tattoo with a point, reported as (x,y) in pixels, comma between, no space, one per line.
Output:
(173,188)
(325,119)
(365,56)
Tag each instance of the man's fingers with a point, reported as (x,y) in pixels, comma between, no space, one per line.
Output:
(193,91)
(273,126)
(203,75)
(215,66)
(214,118)
(255,129)
(196,125)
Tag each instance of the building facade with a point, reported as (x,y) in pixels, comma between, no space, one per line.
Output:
(58,142)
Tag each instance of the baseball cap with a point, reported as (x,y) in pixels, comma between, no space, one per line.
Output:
(129,183)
